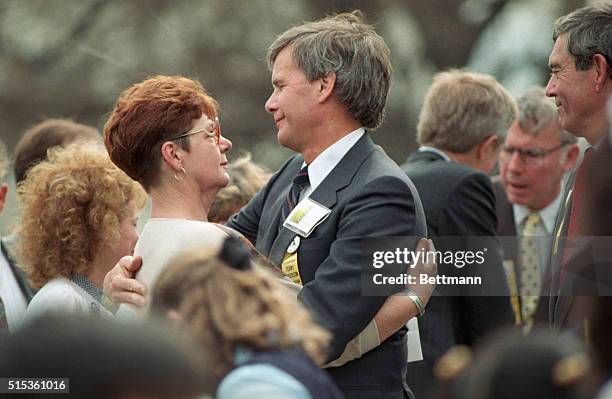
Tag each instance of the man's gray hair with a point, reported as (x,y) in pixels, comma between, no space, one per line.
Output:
(536,112)
(345,45)
(589,32)
(461,109)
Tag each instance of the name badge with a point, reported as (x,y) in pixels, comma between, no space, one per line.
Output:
(291,269)
(307,215)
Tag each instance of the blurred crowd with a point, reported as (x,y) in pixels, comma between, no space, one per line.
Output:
(245,283)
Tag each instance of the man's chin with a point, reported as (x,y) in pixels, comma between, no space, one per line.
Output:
(286,142)
(226,181)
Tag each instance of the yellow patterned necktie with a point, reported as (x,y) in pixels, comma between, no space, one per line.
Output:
(531,279)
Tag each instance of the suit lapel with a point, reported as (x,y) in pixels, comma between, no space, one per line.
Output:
(556,257)
(326,193)
(557,263)
(20,276)
(506,225)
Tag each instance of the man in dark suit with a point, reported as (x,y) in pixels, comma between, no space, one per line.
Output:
(581,83)
(15,292)
(330,80)
(461,126)
(534,158)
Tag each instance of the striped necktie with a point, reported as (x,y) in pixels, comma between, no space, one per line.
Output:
(300,181)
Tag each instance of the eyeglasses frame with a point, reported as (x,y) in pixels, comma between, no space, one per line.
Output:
(216,134)
(541,152)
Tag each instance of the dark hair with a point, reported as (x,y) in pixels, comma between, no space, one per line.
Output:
(145,115)
(33,145)
(510,365)
(589,32)
(104,359)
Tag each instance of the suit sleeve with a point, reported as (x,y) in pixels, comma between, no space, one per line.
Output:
(246,221)
(471,213)
(383,207)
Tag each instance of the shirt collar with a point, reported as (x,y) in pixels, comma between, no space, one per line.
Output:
(320,167)
(547,214)
(436,151)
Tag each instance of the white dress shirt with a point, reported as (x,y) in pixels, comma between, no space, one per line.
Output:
(328,159)
(61,295)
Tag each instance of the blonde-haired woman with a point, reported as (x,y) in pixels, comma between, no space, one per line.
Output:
(78,219)
(263,343)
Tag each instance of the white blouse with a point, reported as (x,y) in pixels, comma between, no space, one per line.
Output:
(61,295)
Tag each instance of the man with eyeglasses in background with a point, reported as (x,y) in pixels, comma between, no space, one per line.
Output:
(533,160)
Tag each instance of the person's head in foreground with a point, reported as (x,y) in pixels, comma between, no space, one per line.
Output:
(510,365)
(229,304)
(105,360)
(78,215)
(165,133)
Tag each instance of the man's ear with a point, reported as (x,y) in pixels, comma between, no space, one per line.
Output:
(3,193)
(170,154)
(326,87)
(602,70)
(571,157)
(487,147)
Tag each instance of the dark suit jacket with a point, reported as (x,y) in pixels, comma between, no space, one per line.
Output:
(20,276)
(458,201)
(369,196)
(7,244)
(587,273)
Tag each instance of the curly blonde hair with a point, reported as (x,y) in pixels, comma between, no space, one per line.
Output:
(72,206)
(223,307)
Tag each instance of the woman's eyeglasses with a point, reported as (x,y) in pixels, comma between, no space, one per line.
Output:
(212,130)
